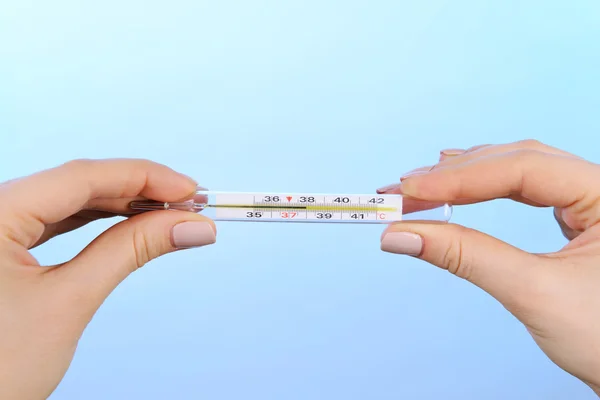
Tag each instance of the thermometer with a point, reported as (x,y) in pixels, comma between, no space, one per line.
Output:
(305,207)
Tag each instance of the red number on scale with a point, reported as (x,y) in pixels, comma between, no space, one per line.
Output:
(288,214)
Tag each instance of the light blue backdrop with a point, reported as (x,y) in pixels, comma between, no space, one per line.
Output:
(307,95)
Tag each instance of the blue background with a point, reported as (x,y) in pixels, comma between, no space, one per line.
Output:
(324,96)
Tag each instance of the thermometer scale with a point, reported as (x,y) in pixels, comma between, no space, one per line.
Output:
(305,207)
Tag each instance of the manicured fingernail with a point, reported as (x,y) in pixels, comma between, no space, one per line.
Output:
(451,152)
(402,243)
(192,234)
(396,186)
(201,188)
(388,188)
(412,173)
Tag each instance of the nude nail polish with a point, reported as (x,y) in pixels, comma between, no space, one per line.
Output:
(394,187)
(388,188)
(451,152)
(192,234)
(402,243)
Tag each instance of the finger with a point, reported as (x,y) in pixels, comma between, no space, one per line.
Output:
(122,206)
(413,205)
(567,231)
(394,186)
(50,196)
(417,171)
(454,158)
(72,223)
(479,169)
(449,153)
(547,179)
(459,156)
(114,206)
(505,272)
(477,147)
(127,246)
(60,228)
(410,205)
(487,150)
(97,209)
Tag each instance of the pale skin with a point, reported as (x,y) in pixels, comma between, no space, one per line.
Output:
(554,295)
(44,310)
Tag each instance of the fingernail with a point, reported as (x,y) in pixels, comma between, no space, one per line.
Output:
(402,243)
(388,188)
(395,186)
(451,152)
(412,173)
(201,188)
(192,234)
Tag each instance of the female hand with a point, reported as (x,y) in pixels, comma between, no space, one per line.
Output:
(556,295)
(44,310)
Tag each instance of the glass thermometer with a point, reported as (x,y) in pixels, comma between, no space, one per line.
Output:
(305,207)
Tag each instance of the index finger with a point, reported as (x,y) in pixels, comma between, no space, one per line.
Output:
(549,179)
(52,195)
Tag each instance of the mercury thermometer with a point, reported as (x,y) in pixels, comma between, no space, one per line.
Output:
(305,207)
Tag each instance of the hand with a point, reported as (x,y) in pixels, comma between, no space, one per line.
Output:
(44,310)
(556,296)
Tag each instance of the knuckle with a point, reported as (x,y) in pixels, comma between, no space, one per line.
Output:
(141,249)
(531,144)
(78,163)
(134,180)
(526,154)
(143,164)
(454,259)
(140,163)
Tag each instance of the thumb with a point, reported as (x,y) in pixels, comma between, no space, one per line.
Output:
(500,269)
(95,272)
